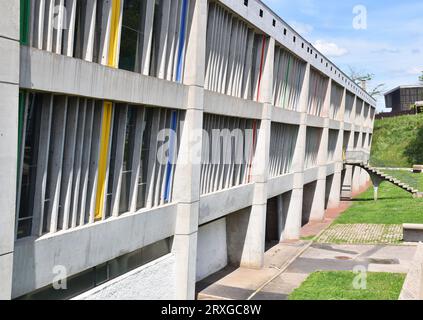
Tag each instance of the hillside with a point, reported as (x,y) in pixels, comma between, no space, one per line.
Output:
(398,142)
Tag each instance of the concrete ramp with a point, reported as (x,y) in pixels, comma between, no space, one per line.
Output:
(413,285)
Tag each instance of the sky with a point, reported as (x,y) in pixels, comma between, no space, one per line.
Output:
(381,37)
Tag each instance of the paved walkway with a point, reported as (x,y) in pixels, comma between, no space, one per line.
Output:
(313,228)
(241,283)
(321,257)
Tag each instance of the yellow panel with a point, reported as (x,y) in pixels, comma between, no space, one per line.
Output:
(107,113)
(102,165)
(114,34)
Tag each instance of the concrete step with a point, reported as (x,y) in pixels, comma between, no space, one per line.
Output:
(390,179)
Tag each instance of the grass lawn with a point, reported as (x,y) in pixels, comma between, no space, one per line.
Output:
(338,285)
(395,206)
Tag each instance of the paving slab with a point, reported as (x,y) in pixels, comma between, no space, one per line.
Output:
(313,228)
(281,287)
(362,234)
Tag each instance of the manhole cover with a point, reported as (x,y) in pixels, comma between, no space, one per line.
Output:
(343,258)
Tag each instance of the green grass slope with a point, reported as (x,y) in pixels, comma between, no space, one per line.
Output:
(395,206)
(398,142)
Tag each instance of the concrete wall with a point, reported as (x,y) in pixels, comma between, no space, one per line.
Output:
(153,281)
(212,254)
(9,106)
(83,248)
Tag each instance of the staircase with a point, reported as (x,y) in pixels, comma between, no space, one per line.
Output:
(394,181)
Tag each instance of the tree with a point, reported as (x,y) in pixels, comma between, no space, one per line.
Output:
(364,80)
(421,78)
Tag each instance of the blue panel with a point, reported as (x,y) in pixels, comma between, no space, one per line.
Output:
(171,155)
(182,40)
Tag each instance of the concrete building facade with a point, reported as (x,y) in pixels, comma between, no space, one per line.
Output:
(145,144)
(403,98)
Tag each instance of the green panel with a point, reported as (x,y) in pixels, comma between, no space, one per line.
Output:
(25,5)
(22,99)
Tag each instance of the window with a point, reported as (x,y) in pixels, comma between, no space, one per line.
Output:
(60,161)
(318,88)
(29,166)
(332,142)
(238,70)
(313,140)
(282,148)
(288,79)
(228,152)
(132,35)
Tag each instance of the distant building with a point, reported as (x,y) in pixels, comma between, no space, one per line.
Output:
(402,97)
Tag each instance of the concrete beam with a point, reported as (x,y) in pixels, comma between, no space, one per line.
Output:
(88,246)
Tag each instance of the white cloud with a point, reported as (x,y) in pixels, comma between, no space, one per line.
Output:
(330,49)
(415,70)
(302,28)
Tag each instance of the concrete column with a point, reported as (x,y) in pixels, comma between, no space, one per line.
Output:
(317,212)
(356,170)
(347,183)
(254,245)
(335,190)
(295,206)
(188,168)
(9,105)
(354,110)
(364,177)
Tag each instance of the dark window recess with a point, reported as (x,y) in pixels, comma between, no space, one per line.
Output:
(261,13)
(131,35)
(97,35)
(81,9)
(274,23)
(29,167)
(284,32)
(246,3)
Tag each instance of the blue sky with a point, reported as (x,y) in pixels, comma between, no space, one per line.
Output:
(391,47)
